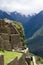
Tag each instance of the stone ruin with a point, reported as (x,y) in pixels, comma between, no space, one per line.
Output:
(10,39)
(9,36)
(24,59)
(15,61)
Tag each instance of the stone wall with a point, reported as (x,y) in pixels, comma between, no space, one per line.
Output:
(22,61)
(26,52)
(1,60)
(8,42)
(10,38)
(5,43)
(5,36)
(28,60)
(15,41)
(18,61)
(12,29)
(13,62)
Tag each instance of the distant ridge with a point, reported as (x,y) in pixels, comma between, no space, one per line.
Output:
(31,23)
(35,43)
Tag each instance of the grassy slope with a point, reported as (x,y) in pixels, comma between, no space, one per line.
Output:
(39,60)
(35,43)
(8,55)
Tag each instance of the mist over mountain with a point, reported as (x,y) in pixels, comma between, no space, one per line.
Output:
(4,14)
(15,16)
(31,23)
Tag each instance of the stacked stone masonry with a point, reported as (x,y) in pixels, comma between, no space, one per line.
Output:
(1,60)
(10,40)
(9,36)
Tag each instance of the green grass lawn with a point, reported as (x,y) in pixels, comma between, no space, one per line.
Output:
(8,55)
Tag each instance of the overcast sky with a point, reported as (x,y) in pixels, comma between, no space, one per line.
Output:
(23,6)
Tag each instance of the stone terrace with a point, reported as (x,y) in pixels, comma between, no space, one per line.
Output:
(8,59)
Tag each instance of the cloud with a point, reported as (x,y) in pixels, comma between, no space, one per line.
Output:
(23,6)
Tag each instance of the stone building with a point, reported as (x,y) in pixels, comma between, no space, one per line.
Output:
(9,36)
